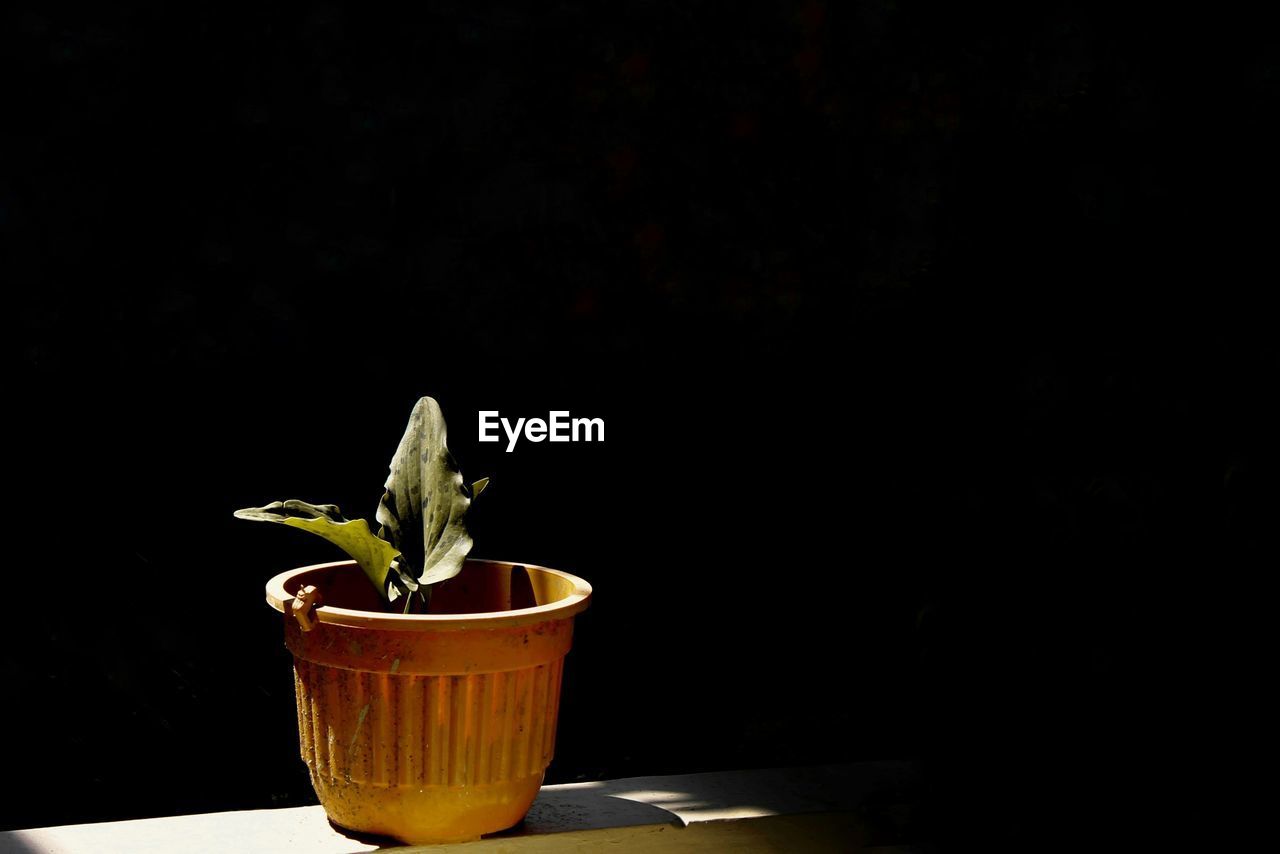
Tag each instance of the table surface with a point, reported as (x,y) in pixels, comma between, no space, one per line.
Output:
(641,812)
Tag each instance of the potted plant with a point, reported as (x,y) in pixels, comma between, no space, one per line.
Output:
(427,684)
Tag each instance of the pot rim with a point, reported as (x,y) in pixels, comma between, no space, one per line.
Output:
(280,599)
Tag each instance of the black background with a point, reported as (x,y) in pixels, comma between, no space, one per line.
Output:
(929,341)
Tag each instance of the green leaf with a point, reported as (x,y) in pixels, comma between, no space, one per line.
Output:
(374,554)
(422,510)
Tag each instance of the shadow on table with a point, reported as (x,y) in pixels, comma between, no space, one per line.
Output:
(13,844)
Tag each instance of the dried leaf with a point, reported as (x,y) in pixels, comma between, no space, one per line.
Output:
(374,554)
(422,510)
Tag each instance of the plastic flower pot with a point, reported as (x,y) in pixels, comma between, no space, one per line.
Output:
(432,727)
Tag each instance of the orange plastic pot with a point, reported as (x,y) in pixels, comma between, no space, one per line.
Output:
(430,727)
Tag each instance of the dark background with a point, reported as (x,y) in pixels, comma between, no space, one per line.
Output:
(929,342)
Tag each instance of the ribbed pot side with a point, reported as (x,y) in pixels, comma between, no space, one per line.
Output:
(431,728)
